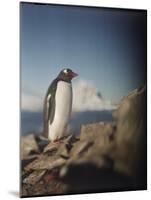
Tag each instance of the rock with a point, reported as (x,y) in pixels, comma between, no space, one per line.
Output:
(61,148)
(28,160)
(51,148)
(94,143)
(42,142)
(100,133)
(81,147)
(34,177)
(28,146)
(91,131)
(130,153)
(45,162)
(43,188)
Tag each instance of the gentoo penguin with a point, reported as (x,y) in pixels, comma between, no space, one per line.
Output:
(58,105)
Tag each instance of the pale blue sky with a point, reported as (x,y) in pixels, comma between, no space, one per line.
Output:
(104,46)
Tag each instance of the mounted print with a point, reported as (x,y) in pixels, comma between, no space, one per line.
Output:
(83,99)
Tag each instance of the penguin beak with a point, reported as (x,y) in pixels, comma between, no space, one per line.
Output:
(73,74)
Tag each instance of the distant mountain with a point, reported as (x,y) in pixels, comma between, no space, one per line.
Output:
(87,98)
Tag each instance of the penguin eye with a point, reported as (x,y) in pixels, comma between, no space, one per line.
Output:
(65,71)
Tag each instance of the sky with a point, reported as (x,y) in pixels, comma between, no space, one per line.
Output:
(106,47)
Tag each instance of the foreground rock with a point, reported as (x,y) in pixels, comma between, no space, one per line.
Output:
(105,157)
(130,154)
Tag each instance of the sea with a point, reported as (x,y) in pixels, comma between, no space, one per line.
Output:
(32,122)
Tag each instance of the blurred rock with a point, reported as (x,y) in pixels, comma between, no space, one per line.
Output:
(45,162)
(28,159)
(28,146)
(131,135)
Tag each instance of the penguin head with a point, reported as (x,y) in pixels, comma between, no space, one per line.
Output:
(67,75)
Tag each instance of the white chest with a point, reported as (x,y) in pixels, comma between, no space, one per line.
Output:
(63,106)
(63,99)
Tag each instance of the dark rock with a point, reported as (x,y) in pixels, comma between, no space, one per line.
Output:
(41,142)
(87,177)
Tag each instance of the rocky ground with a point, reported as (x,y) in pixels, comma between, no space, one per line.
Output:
(105,156)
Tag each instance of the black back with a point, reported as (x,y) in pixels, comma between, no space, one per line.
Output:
(50,110)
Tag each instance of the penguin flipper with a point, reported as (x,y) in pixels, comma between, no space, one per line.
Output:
(49,107)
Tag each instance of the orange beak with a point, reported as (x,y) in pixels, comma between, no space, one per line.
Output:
(73,74)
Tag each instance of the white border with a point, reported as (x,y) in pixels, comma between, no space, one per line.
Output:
(9,99)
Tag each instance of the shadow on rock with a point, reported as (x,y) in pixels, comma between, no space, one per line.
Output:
(85,178)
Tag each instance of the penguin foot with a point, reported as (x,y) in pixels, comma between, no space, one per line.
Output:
(59,141)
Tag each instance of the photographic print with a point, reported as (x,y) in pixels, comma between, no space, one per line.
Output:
(83,99)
